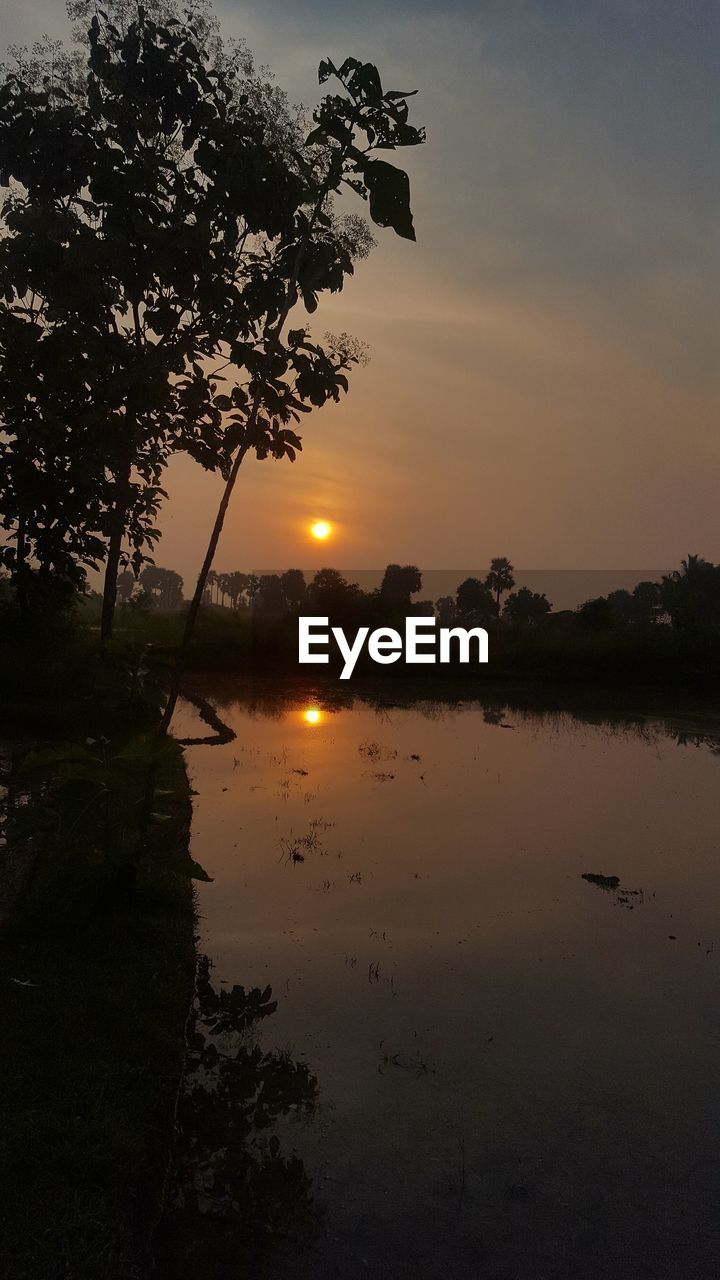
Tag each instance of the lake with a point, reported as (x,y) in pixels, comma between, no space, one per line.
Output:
(510,1071)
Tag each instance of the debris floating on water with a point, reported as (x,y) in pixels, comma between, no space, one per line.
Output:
(629,898)
(604,882)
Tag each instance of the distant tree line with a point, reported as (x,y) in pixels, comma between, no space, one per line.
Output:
(688,599)
(152,588)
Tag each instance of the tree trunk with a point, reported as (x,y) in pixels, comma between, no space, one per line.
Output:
(199,590)
(114,548)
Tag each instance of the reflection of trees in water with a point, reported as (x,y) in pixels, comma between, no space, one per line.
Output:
(540,707)
(710,741)
(234,1193)
(273,701)
(537,709)
(493,714)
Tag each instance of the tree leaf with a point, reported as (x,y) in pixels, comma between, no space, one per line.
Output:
(389,190)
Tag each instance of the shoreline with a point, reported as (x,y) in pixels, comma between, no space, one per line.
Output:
(97,994)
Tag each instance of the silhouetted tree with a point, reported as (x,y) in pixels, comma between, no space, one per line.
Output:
(400,582)
(647,599)
(270,600)
(526,608)
(330,594)
(163,586)
(622,606)
(235,586)
(251,587)
(596,614)
(691,595)
(126,585)
(500,578)
(446,611)
(293,584)
(166,184)
(222,586)
(474,600)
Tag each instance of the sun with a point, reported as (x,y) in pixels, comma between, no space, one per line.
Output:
(321,530)
(312,715)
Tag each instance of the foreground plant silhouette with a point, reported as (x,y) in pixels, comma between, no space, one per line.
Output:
(157,227)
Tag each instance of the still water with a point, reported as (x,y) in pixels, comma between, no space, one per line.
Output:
(515,1068)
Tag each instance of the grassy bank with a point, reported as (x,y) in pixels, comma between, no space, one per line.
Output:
(97,971)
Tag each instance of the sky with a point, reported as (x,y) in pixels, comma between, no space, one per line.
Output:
(544,377)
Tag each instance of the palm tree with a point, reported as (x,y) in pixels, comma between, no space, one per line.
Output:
(500,578)
(210,583)
(223,583)
(235,584)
